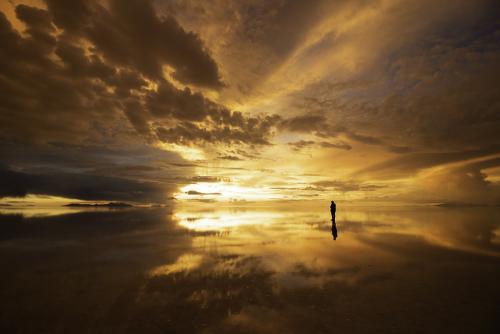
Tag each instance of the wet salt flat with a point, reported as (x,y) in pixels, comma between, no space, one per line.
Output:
(266,268)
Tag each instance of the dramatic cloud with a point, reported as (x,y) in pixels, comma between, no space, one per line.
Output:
(137,174)
(306,123)
(345,186)
(131,34)
(252,131)
(460,184)
(252,39)
(106,66)
(413,163)
(298,145)
(81,186)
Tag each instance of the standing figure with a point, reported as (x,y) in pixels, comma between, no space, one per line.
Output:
(333,209)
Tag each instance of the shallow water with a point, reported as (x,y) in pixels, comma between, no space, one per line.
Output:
(258,269)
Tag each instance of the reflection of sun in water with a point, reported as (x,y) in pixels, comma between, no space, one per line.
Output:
(225,219)
(222,191)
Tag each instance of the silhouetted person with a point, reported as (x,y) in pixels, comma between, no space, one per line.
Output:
(334,229)
(333,209)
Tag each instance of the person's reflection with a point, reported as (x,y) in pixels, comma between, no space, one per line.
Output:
(334,229)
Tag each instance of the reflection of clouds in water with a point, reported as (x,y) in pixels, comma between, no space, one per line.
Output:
(255,269)
(203,297)
(381,249)
(230,290)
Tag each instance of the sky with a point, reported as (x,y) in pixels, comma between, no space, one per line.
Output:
(220,100)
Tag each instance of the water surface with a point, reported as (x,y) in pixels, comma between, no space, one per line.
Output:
(275,268)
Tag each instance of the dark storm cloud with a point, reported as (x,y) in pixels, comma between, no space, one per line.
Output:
(465,184)
(344,186)
(81,186)
(256,36)
(264,23)
(88,82)
(129,33)
(339,144)
(184,165)
(305,123)
(43,100)
(364,139)
(253,130)
(133,173)
(37,20)
(410,164)
(437,93)
(206,178)
(169,102)
(203,120)
(483,164)
(230,158)
(319,125)
(86,158)
(238,154)
(199,193)
(298,145)
(322,127)
(399,149)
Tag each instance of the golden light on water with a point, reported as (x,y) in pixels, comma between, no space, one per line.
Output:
(225,219)
(303,222)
